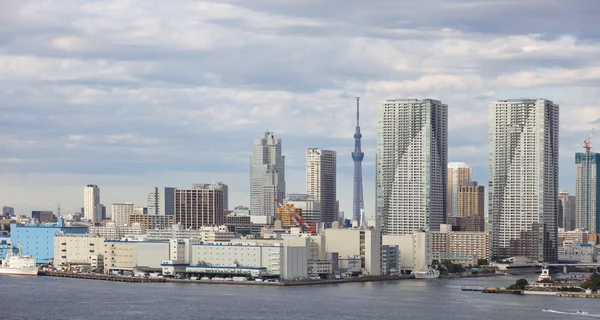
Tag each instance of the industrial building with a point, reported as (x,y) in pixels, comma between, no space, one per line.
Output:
(352,244)
(414,250)
(287,262)
(123,255)
(37,240)
(76,249)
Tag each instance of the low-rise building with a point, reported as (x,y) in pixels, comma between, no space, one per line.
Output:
(459,244)
(111,231)
(206,234)
(390,259)
(275,259)
(351,243)
(414,250)
(575,251)
(121,255)
(76,248)
(148,221)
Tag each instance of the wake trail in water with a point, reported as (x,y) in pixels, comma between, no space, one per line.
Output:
(583,314)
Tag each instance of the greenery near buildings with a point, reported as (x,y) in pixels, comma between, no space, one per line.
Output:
(593,283)
(519,285)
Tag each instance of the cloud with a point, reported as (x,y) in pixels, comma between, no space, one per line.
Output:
(117,91)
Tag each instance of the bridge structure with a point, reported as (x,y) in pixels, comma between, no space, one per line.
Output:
(565,266)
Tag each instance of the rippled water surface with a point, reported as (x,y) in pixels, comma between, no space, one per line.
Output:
(56,298)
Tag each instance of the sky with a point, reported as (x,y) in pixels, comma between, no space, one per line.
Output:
(128,94)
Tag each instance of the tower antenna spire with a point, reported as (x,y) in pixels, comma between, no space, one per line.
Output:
(357,111)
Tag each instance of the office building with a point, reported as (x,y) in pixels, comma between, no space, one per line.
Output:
(200,206)
(267,176)
(567,210)
(43,216)
(412,153)
(459,173)
(321,181)
(161,201)
(91,203)
(523,182)
(471,207)
(587,183)
(120,213)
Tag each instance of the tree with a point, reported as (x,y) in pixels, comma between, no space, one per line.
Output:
(519,285)
(593,283)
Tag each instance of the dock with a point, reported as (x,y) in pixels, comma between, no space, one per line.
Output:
(94,276)
(578,295)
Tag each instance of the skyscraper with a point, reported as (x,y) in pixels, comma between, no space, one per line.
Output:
(568,207)
(91,203)
(321,166)
(459,174)
(412,153)
(357,157)
(200,206)
(587,184)
(267,176)
(523,182)
(161,201)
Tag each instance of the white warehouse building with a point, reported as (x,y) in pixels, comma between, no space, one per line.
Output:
(272,259)
(354,244)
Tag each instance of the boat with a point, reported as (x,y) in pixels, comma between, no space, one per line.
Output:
(17,264)
(545,276)
(430,273)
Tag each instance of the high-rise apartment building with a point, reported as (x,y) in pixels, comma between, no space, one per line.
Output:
(200,206)
(161,201)
(471,207)
(459,173)
(321,166)
(267,176)
(587,184)
(412,154)
(567,207)
(120,213)
(91,203)
(523,181)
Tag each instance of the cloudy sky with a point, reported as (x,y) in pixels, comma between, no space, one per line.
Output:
(128,94)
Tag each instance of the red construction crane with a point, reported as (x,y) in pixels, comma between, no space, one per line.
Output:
(587,144)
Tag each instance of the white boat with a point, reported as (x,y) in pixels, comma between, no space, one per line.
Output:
(427,274)
(545,276)
(17,264)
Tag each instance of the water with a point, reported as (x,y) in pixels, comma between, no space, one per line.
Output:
(71,299)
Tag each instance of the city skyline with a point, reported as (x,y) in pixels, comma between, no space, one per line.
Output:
(92,105)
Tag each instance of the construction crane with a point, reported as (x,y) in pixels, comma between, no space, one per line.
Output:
(587,144)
